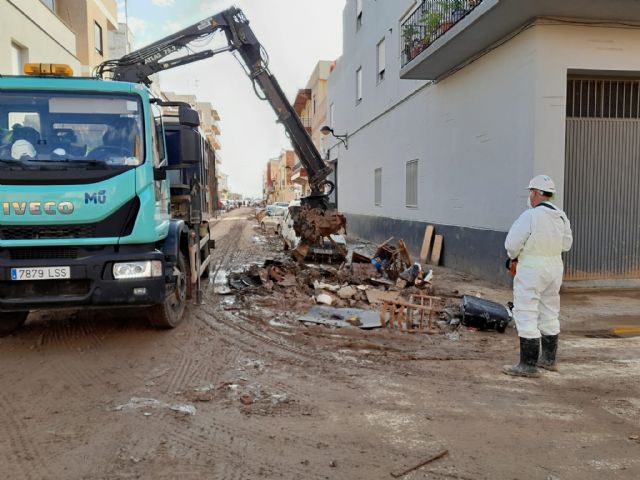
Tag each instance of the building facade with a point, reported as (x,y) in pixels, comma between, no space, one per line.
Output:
(92,21)
(448,120)
(31,32)
(278,184)
(311,106)
(120,41)
(269,187)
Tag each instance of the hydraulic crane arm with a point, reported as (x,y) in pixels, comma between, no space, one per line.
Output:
(139,65)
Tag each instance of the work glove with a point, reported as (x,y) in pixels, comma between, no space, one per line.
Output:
(512,266)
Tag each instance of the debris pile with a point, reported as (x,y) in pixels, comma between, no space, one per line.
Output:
(385,290)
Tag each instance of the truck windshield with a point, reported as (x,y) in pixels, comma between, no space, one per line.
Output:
(38,129)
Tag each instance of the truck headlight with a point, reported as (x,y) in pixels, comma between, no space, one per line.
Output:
(144,269)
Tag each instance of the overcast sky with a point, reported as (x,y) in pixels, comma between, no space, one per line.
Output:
(295,33)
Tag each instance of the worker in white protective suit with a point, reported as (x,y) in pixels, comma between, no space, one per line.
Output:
(536,240)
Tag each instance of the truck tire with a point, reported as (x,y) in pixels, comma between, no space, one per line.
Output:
(11,321)
(169,313)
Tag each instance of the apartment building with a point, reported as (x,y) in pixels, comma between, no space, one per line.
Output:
(311,106)
(452,106)
(92,21)
(278,184)
(32,32)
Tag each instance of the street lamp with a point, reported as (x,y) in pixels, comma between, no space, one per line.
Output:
(326,130)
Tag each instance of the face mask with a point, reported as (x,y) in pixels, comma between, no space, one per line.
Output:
(529,202)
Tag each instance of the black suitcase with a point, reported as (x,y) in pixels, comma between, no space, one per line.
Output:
(484,314)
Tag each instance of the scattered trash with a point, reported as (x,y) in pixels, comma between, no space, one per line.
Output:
(342,317)
(411,273)
(139,402)
(246,399)
(246,280)
(186,409)
(279,398)
(484,314)
(453,336)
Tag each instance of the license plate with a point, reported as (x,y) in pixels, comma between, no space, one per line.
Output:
(40,273)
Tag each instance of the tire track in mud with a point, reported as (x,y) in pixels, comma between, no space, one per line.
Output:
(73,333)
(23,458)
(75,377)
(229,442)
(227,248)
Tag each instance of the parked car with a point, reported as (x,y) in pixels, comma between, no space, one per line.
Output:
(291,240)
(273,218)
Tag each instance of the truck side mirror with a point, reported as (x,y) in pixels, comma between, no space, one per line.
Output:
(188,117)
(190,148)
(183,145)
(159,174)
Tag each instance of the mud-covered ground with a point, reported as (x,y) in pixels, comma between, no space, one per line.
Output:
(243,390)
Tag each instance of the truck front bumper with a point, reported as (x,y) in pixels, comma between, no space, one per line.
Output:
(91,283)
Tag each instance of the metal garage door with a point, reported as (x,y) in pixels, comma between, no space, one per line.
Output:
(602,173)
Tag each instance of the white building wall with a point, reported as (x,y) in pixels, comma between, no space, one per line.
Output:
(472,133)
(120,41)
(31,25)
(562,49)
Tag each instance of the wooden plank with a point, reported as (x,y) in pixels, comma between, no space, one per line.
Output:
(437,250)
(426,244)
(404,253)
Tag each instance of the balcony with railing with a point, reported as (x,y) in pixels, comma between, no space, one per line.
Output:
(431,20)
(440,36)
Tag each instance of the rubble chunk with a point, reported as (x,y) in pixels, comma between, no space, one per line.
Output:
(345,293)
(324,298)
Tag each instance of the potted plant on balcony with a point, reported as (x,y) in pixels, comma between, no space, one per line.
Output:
(431,20)
(409,33)
(458,9)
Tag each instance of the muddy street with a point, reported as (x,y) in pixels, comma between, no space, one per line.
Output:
(243,390)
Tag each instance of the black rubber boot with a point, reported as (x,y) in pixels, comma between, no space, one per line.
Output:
(529,353)
(549,347)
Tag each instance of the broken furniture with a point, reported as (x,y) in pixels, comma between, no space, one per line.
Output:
(402,315)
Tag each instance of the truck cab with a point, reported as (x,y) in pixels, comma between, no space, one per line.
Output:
(85,199)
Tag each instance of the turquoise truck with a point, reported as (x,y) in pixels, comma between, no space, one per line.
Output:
(105,197)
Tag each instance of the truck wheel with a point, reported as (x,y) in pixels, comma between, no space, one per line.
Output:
(169,313)
(11,321)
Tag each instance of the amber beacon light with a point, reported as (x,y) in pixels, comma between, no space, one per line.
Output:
(52,69)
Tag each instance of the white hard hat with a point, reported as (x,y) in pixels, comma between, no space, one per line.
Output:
(21,148)
(542,182)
